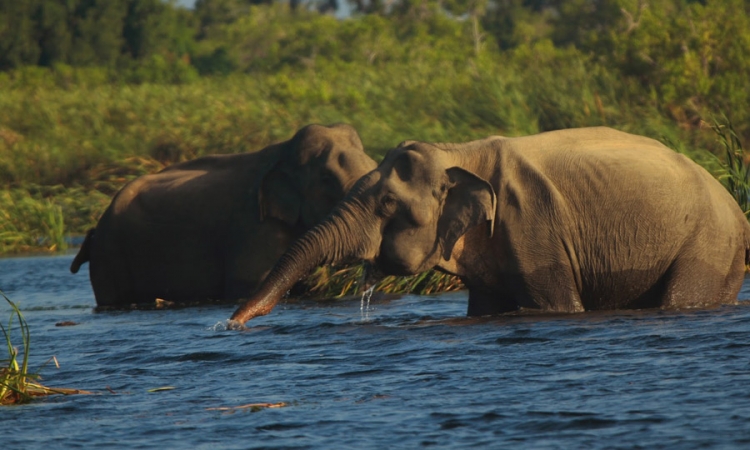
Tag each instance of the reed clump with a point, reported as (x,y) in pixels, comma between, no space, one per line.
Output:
(17,384)
(734,170)
(336,282)
(29,222)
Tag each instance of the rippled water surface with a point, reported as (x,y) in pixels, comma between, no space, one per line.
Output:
(409,372)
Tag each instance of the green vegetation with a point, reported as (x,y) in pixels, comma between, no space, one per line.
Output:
(23,217)
(17,384)
(14,379)
(735,167)
(328,282)
(93,94)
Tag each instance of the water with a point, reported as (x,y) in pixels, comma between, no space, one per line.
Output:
(364,305)
(415,374)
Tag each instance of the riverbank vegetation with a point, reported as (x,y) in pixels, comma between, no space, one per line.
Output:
(93,94)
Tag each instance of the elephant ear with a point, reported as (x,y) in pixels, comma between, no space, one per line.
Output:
(470,201)
(278,197)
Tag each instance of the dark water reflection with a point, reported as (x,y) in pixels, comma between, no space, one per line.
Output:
(415,374)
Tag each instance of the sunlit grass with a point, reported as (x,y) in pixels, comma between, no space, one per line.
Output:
(30,223)
(17,384)
(735,166)
(332,282)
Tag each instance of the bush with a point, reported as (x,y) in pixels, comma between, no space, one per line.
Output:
(28,223)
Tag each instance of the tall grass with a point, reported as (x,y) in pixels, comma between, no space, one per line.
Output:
(15,379)
(333,282)
(17,384)
(735,166)
(30,223)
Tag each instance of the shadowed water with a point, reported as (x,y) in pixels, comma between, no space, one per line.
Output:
(415,373)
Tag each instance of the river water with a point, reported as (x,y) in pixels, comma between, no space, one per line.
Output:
(409,372)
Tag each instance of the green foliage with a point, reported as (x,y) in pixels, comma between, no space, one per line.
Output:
(17,384)
(332,282)
(158,69)
(91,32)
(735,167)
(14,377)
(30,222)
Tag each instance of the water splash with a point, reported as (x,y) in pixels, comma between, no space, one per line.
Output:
(364,307)
(227,325)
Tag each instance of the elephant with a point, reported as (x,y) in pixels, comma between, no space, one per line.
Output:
(564,222)
(211,228)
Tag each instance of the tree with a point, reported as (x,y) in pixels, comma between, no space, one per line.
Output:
(18,45)
(152,26)
(97,32)
(90,32)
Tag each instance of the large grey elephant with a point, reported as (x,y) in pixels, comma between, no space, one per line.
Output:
(211,228)
(565,221)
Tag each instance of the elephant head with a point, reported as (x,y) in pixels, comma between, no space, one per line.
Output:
(404,217)
(307,175)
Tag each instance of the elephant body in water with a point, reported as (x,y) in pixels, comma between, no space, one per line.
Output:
(211,228)
(564,221)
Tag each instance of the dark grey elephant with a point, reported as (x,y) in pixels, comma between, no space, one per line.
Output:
(212,228)
(565,221)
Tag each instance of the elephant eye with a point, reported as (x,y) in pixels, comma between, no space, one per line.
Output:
(331,184)
(388,205)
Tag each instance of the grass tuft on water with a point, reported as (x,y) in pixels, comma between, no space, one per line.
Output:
(333,282)
(17,384)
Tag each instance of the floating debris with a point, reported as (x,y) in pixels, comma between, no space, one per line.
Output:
(160,303)
(163,388)
(251,406)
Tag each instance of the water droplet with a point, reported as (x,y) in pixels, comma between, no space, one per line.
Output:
(364,307)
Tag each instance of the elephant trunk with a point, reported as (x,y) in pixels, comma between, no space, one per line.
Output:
(330,242)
